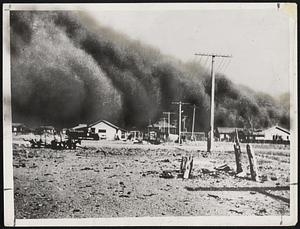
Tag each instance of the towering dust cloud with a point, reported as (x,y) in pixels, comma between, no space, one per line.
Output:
(66,69)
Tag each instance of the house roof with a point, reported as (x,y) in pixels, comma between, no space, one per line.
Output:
(108,123)
(17,124)
(279,128)
(46,127)
(79,126)
(227,130)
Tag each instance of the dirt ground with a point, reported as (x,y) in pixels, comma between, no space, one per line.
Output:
(115,179)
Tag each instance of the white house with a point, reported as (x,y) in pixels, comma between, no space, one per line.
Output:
(276,133)
(107,130)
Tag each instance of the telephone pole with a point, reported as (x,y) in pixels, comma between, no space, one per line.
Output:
(210,139)
(169,119)
(193,124)
(164,120)
(184,118)
(175,124)
(179,119)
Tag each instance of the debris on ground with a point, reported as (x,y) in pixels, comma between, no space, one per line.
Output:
(214,196)
(273,178)
(264,178)
(135,188)
(86,168)
(167,175)
(223,167)
(242,174)
(151,194)
(238,212)
(263,210)
(165,160)
(206,171)
(124,196)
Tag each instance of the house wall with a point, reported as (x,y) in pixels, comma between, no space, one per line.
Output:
(106,131)
(269,133)
(136,135)
(225,137)
(50,131)
(259,138)
(17,129)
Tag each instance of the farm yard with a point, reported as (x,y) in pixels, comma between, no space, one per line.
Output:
(120,179)
(143,113)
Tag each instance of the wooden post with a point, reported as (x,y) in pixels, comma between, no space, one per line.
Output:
(186,166)
(182,164)
(237,151)
(252,162)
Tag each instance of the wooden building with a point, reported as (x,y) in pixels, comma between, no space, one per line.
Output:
(227,133)
(163,127)
(19,128)
(45,130)
(107,130)
(276,133)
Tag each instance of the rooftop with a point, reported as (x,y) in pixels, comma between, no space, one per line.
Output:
(108,123)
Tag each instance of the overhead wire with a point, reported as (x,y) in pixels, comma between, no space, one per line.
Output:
(220,64)
(226,66)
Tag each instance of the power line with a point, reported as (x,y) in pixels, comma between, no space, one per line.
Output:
(223,64)
(227,65)
(220,65)
(193,122)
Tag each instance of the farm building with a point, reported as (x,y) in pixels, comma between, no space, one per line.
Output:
(276,133)
(63,130)
(135,135)
(163,127)
(198,136)
(107,130)
(45,130)
(252,135)
(19,128)
(227,133)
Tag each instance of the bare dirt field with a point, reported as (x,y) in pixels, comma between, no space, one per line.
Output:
(115,179)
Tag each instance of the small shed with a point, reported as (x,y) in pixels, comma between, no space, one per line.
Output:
(107,130)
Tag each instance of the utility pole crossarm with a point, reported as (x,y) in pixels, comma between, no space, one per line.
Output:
(167,113)
(213,55)
(182,103)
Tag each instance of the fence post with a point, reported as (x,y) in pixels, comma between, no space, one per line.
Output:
(186,166)
(252,162)
(237,151)
(183,163)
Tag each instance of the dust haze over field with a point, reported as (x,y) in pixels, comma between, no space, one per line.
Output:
(66,69)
